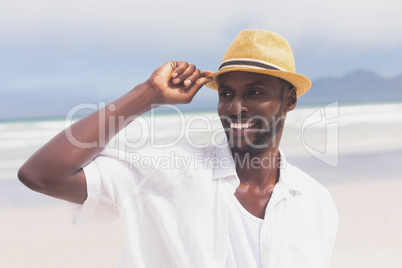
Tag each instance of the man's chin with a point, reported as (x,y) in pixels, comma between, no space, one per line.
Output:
(248,148)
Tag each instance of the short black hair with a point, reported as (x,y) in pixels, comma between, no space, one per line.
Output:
(285,84)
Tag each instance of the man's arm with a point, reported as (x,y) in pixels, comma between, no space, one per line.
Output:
(56,168)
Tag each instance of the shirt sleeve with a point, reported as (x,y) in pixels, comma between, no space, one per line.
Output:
(99,207)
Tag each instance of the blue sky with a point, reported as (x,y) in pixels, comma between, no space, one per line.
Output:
(104,48)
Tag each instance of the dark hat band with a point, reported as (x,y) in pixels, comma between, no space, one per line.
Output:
(246,63)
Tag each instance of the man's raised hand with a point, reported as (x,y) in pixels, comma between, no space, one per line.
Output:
(63,176)
(177,82)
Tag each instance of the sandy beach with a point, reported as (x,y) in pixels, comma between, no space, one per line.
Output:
(370,233)
(44,237)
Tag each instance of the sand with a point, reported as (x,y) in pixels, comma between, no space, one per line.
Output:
(370,232)
(44,237)
(370,228)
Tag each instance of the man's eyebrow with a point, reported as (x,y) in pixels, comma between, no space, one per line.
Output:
(222,86)
(256,83)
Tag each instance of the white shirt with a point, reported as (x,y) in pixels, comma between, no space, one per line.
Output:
(244,235)
(176,210)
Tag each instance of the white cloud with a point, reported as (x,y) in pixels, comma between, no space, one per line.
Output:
(86,39)
(123,20)
(343,25)
(324,27)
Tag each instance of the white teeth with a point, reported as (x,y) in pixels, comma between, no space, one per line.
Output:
(241,125)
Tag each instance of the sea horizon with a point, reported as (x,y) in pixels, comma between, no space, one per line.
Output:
(187,109)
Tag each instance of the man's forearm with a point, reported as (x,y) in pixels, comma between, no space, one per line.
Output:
(56,168)
(63,156)
(98,128)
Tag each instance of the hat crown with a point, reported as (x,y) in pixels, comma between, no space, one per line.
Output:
(264,52)
(262,45)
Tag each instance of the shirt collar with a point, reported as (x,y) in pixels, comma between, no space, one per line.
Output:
(287,177)
(224,166)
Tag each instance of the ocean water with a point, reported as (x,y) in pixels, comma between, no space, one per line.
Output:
(324,133)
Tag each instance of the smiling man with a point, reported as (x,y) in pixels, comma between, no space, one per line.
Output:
(251,208)
(253,107)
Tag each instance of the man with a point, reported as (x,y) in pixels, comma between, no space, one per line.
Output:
(247,208)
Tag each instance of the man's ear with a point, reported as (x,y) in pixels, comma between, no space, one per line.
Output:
(290,100)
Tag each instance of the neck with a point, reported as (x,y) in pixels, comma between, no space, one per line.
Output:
(259,170)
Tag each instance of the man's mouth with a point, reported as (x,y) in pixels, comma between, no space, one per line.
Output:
(240,126)
(240,129)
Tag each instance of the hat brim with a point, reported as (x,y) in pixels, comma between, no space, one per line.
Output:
(299,81)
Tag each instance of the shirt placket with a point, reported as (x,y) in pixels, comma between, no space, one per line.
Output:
(271,230)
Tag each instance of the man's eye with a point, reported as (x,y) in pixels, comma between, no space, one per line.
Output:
(225,94)
(255,92)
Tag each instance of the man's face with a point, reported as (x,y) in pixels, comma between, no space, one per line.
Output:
(251,110)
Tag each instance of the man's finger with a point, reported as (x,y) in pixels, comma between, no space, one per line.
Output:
(206,73)
(181,78)
(196,76)
(192,78)
(178,68)
(198,84)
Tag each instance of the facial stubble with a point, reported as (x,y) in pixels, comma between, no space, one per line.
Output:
(263,138)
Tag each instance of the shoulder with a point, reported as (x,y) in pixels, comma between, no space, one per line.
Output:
(306,182)
(153,160)
(313,192)
(180,148)
(160,150)
(315,211)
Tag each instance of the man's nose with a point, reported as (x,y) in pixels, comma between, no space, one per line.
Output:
(237,106)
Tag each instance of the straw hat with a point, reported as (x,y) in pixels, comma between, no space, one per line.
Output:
(264,52)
